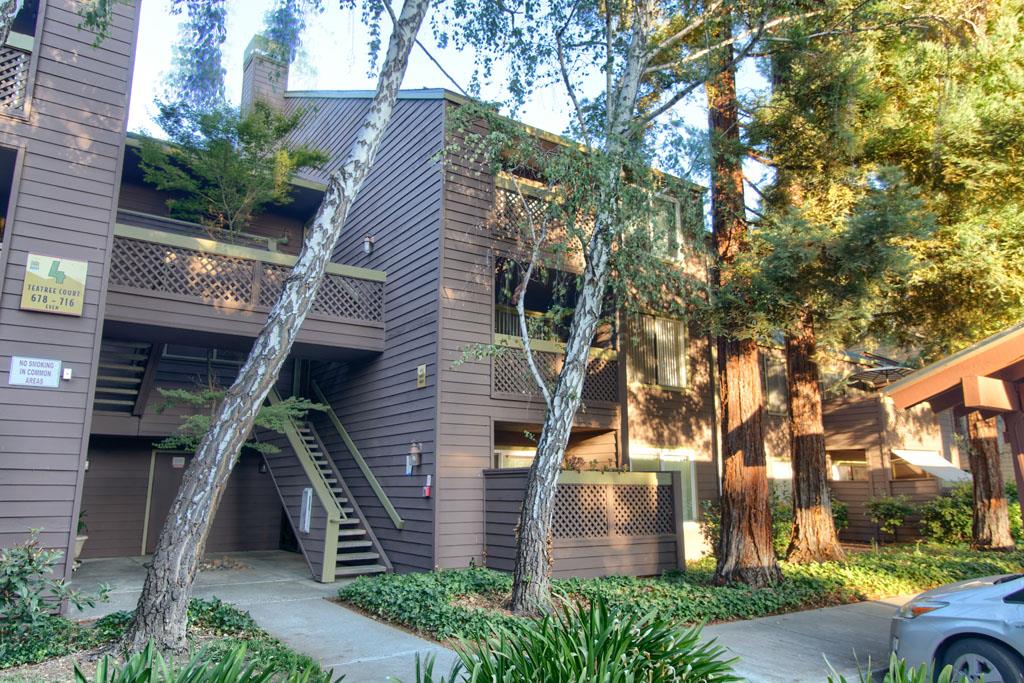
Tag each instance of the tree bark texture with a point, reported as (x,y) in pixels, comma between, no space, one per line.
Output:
(8,11)
(814,531)
(162,609)
(990,529)
(531,581)
(745,544)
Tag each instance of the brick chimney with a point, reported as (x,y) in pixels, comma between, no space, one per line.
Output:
(264,76)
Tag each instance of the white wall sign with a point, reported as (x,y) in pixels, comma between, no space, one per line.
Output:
(34,372)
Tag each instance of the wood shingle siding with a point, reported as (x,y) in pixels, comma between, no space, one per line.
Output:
(62,205)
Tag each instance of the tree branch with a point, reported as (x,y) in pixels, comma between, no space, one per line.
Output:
(524,332)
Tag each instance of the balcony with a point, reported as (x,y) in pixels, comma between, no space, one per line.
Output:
(511,377)
(175,281)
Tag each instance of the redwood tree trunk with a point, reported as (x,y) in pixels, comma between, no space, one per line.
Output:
(162,610)
(814,531)
(991,520)
(745,545)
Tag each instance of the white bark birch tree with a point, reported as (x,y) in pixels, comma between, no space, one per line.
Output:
(162,609)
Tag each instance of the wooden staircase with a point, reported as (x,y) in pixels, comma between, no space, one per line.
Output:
(358,551)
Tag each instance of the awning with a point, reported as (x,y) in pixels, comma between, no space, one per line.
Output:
(934,464)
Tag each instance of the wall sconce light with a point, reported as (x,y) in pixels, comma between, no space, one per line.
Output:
(413,458)
(263,467)
(368,244)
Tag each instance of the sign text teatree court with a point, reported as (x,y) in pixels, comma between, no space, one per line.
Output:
(54,285)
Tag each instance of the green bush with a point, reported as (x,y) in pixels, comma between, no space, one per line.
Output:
(899,672)
(948,518)
(459,603)
(782,521)
(589,643)
(889,513)
(28,591)
(232,666)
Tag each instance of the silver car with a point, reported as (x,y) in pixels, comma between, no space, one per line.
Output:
(976,626)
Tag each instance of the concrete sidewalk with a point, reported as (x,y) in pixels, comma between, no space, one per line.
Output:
(792,648)
(276,589)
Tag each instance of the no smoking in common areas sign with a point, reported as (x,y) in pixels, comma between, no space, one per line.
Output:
(35,372)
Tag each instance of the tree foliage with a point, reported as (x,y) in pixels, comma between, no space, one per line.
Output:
(222,166)
(201,404)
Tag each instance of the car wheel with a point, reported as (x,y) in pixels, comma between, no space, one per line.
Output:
(982,660)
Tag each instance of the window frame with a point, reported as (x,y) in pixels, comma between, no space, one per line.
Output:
(682,357)
(768,356)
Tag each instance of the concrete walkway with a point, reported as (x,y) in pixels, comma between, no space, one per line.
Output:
(792,648)
(276,589)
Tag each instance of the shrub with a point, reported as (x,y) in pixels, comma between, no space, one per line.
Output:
(205,667)
(589,643)
(28,591)
(782,521)
(899,672)
(948,518)
(889,513)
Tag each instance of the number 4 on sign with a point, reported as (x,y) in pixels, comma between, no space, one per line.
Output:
(55,272)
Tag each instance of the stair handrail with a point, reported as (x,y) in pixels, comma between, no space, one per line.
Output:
(328,565)
(364,467)
(347,492)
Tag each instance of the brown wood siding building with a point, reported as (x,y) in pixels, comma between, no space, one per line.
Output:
(69,136)
(377,400)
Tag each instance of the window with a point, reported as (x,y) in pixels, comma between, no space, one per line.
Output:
(776,389)
(670,460)
(509,457)
(658,351)
(665,231)
(901,469)
(200,354)
(8,159)
(848,465)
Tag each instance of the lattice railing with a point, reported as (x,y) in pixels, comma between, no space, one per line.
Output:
(600,510)
(234,281)
(511,375)
(14,65)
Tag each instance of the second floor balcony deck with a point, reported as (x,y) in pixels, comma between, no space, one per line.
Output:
(169,275)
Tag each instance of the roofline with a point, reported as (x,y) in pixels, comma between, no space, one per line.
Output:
(135,140)
(939,366)
(459,99)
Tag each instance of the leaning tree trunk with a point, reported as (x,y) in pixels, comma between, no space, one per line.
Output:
(531,580)
(990,529)
(745,543)
(8,11)
(162,609)
(814,531)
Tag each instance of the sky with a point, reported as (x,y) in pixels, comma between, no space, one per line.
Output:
(335,59)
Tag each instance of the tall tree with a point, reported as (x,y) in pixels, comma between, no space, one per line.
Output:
(162,609)
(990,519)
(621,67)
(744,550)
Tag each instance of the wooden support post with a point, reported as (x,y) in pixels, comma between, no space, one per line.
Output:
(1015,435)
(678,503)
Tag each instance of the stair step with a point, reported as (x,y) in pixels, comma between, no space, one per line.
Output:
(348,511)
(356,570)
(353,557)
(351,532)
(353,544)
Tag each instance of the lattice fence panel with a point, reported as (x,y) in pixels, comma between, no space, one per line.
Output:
(512,375)
(339,296)
(581,511)
(182,272)
(13,76)
(642,510)
(512,218)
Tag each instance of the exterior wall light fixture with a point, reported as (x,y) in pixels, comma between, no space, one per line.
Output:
(368,244)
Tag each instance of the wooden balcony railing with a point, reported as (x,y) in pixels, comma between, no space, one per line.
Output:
(14,65)
(604,522)
(230,276)
(511,376)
